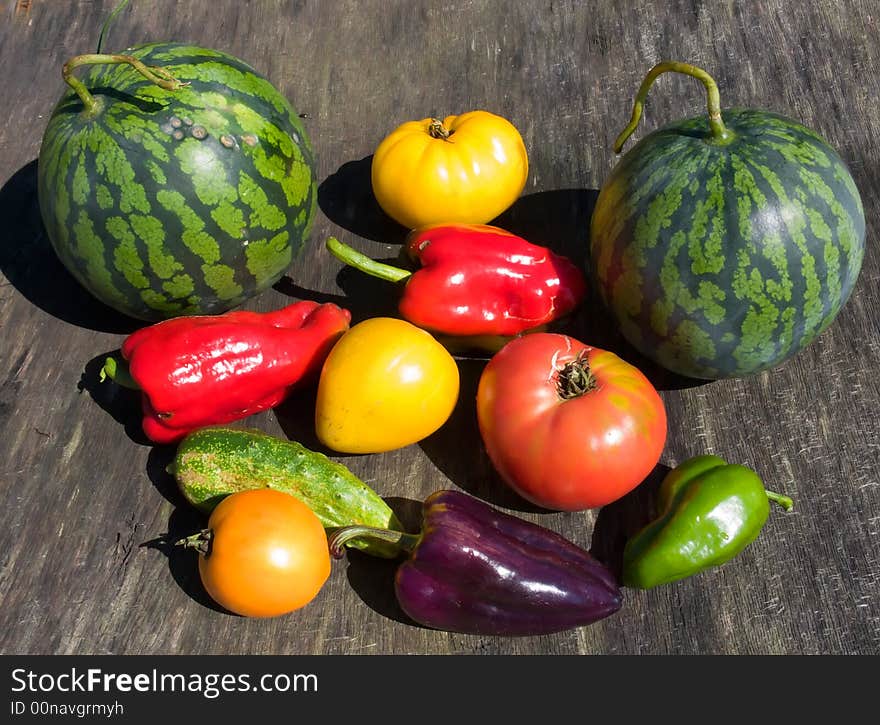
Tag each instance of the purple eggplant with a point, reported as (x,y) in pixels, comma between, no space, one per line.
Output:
(476,570)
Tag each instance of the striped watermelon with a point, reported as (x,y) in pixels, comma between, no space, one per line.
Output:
(721,258)
(172,202)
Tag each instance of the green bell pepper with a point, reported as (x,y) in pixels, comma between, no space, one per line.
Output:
(709,511)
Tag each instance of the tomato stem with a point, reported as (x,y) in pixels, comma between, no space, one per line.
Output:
(436,129)
(159,76)
(355,259)
(719,132)
(338,539)
(201,541)
(575,378)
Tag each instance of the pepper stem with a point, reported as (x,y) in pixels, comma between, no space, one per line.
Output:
(783,501)
(575,378)
(719,132)
(201,541)
(117,371)
(159,76)
(338,539)
(355,259)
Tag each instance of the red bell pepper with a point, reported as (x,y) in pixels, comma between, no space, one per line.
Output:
(477,282)
(212,369)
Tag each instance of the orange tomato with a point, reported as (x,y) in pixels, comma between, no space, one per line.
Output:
(267,554)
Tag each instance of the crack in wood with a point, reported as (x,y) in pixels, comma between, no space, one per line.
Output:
(126,547)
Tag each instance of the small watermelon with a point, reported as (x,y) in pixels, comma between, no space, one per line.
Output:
(185,193)
(724,245)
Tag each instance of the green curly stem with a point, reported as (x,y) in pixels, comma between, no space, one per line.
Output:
(108,22)
(783,501)
(155,75)
(355,259)
(719,132)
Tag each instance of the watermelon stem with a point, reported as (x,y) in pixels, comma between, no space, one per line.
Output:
(355,259)
(719,132)
(159,76)
(108,22)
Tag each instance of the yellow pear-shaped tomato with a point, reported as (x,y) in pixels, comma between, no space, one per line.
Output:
(385,384)
(467,169)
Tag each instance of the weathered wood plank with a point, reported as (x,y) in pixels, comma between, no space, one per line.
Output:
(80,491)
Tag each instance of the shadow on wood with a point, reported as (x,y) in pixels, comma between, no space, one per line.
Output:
(373,581)
(183,563)
(367,296)
(346,198)
(558,219)
(296,416)
(122,404)
(372,578)
(158,460)
(287,286)
(688,603)
(32,267)
(457,450)
(363,295)
(619,520)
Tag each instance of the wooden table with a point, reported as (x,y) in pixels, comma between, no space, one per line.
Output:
(81,491)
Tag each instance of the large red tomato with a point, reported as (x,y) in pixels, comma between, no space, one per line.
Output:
(568,426)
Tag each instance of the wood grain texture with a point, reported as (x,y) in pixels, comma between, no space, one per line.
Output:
(80,491)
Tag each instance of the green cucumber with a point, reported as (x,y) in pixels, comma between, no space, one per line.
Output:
(212,463)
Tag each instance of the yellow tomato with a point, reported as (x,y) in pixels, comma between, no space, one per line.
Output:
(385,384)
(466,169)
